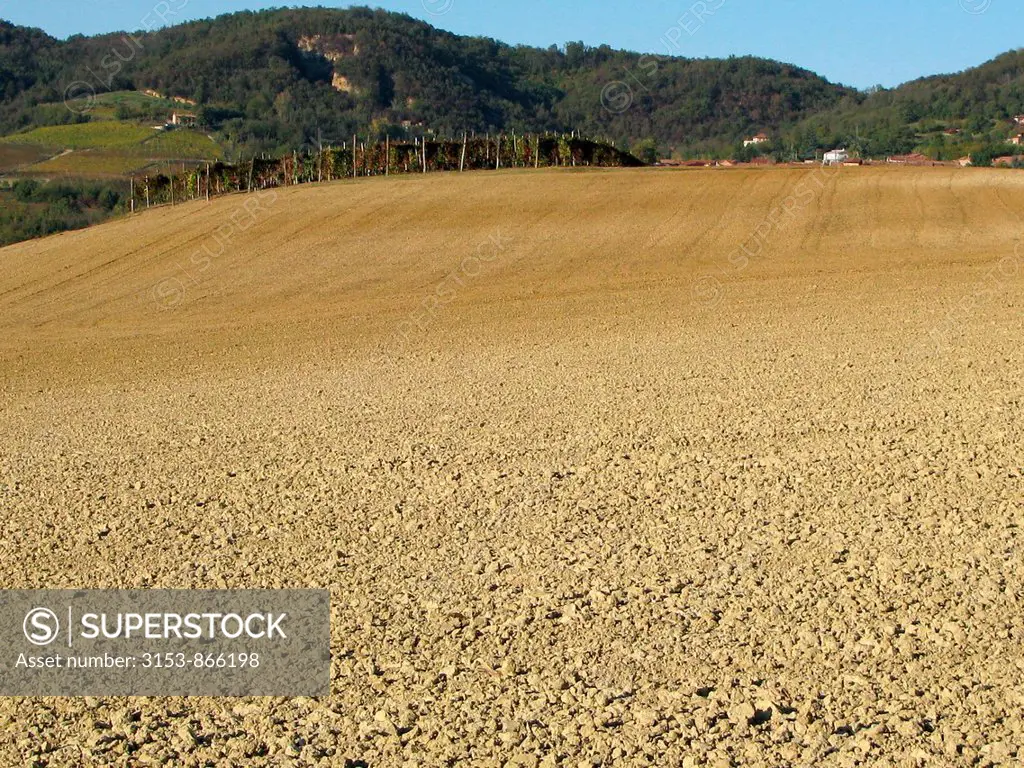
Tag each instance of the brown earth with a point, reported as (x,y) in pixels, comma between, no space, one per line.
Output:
(15,157)
(589,485)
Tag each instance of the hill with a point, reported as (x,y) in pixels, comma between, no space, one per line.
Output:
(88,111)
(82,112)
(943,116)
(273,80)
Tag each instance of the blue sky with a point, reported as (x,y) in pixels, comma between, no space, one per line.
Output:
(860,44)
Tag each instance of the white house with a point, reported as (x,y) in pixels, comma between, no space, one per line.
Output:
(835,157)
(183,118)
(761,138)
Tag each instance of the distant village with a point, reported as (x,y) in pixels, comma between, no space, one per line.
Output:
(844,157)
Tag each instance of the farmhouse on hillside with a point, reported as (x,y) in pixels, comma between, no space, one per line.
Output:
(1018,139)
(761,138)
(184,119)
(835,157)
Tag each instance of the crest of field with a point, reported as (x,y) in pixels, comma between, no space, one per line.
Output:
(349,262)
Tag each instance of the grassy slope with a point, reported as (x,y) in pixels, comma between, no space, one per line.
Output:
(99,135)
(106,147)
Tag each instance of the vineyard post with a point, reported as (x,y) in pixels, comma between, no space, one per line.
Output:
(462,160)
(387,154)
(423,146)
(207,182)
(170,175)
(354,174)
(487,148)
(497,154)
(515,149)
(536,155)
(133,194)
(252,168)
(319,154)
(147,193)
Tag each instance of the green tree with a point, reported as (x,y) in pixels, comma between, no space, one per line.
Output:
(982,158)
(645,150)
